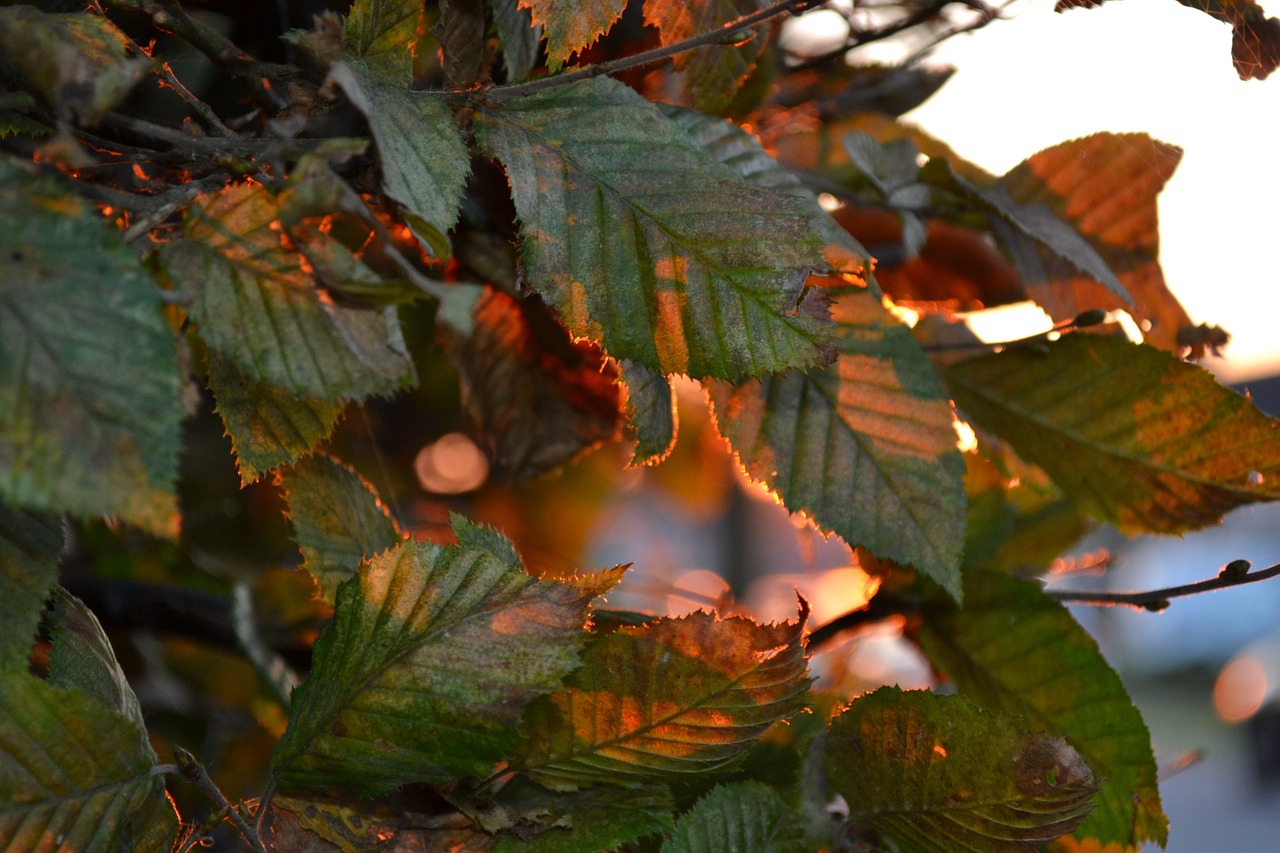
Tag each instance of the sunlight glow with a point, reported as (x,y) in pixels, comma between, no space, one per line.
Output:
(452,465)
(1240,690)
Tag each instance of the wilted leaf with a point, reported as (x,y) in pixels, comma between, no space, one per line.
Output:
(732,818)
(395,824)
(75,775)
(89,384)
(79,63)
(714,72)
(518,36)
(540,398)
(593,819)
(338,520)
(431,658)
(258,307)
(936,774)
(29,546)
(1105,187)
(424,160)
(651,412)
(866,447)
(571,25)
(1011,649)
(674,261)
(1137,437)
(268,425)
(382,33)
(667,699)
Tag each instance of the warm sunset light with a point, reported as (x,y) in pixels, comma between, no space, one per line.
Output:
(1240,690)
(451,465)
(696,590)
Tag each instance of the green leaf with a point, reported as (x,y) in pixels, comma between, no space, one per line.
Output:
(338,520)
(667,699)
(748,816)
(320,823)
(866,447)
(713,73)
(571,25)
(432,655)
(585,821)
(79,63)
(651,411)
(936,774)
(674,261)
(519,37)
(258,307)
(382,34)
(89,383)
(29,546)
(268,425)
(1137,437)
(74,771)
(424,160)
(1013,650)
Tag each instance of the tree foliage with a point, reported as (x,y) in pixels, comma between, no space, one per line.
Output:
(233,290)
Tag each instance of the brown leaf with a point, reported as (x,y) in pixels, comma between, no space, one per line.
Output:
(461,34)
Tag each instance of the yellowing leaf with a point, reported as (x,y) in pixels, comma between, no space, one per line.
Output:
(1139,438)
(381,33)
(667,699)
(643,241)
(571,25)
(936,774)
(318,824)
(432,655)
(866,447)
(712,73)
(600,818)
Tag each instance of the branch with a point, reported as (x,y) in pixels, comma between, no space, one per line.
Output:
(1235,573)
(193,771)
(878,609)
(721,35)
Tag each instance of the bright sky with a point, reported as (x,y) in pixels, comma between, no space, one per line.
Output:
(1156,66)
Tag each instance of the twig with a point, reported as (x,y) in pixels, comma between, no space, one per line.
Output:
(1235,573)
(193,771)
(1083,320)
(877,609)
(720,35)
(202,109)
(169,203)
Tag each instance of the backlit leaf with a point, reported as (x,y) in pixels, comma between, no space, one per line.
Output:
(338,520)
(257,306)
(733,818)
(571,25)
(269,426)
(381,33)
(641,240)
(936,774)
(344,824)
(89,383)
(1105,187)
(461,33)
(75,775)
(29,546)
(714,72)
(866,447)
(1013,650)
(432,655)
(594,819)
(1137,437)
(667,699)
(651,412)
(519,37)
(424,160)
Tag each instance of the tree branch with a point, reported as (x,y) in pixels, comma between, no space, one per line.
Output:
(1236,573)
(878,609)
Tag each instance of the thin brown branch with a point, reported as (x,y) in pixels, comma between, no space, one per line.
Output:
(1236,573)
(193,771)
(878,609)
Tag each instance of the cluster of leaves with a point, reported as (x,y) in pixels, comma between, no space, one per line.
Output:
(577,241)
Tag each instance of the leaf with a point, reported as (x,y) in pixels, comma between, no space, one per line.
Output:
(461,33)
(866,447)
(1105,187)
(424,160)
(257,306)
(667,699)
(571,25)
(89,383)
(29,547)
(713,73)
(268,425)
(79,63)
(338,520)
(586,821)
(1029,233)
(432,655)
(75,775)
(651,412)
(741,817)
(518,36)
(674,262)
(1013,650)
(936,774)
(396,824)
(1132,434)
(382,33)
(540,398)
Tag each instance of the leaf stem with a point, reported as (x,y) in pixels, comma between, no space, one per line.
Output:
(193,771)
(1159,599)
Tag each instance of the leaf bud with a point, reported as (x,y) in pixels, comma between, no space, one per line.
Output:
(1235,570)
(1092,317)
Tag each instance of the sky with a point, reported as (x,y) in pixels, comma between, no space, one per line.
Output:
(1142,65)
